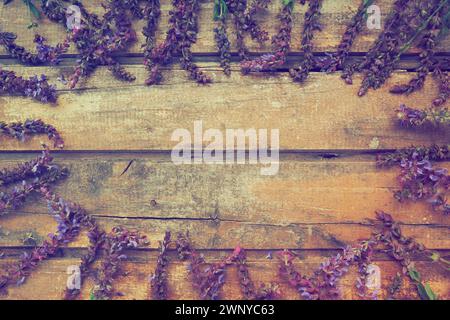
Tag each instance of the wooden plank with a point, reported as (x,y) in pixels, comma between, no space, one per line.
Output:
(31,229)
(324,113)
(346,190)
(49,280)
(336,15)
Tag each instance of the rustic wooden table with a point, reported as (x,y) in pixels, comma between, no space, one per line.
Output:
(315,204)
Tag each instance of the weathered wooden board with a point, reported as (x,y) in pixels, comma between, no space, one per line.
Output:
(313,204)
(324,113)
(49,281)
(346,190)
(336,15)
(21,230)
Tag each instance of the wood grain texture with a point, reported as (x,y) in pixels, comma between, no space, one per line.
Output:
(28,230)
(48,282)
(324,113)
(314,205)
(336,15)
(347,190)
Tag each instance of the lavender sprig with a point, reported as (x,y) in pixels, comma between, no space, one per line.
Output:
(208,279)
(180,37)
(427,57)
(16,198)
(34,87)
(30,169)
(115,243)
(97,40)
(159,279)
(223,44)
(152,14)
(419,180)
(336,60)
(248,287)
(409,117)
(21,131)
(281,43)
(250,25)
(312,24)
(44,53)
(69,217)
(398,36)
(375,65)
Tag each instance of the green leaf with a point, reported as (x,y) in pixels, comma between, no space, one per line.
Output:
(288,3)
(435,256)
(367,4)
(33,9)
(425,292)
(422,291)
(414,274)
(220,9)
(216,9)
(431,295)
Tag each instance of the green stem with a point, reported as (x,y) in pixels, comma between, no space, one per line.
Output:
(424,25)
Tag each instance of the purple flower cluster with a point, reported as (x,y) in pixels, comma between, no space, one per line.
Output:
(152,14)
(403,249)
(69,218)
(114,245)
(444,87)
(399,247)
(96,239)
(244,21)
(311,25)
(281,43)
(323,283)
(433,153)
(158,280)
(410,117)
(248,288)
(418,179)
(34,87)
(37,176)
(223,44)
(30,169)
(305,286)
(180,37)
(97,39)
(249,24)
(377,65)
(407,21)
(334,61)
(15,198)
(32,175)
(208,279)
(427,56)
(44,52)
(21,131)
